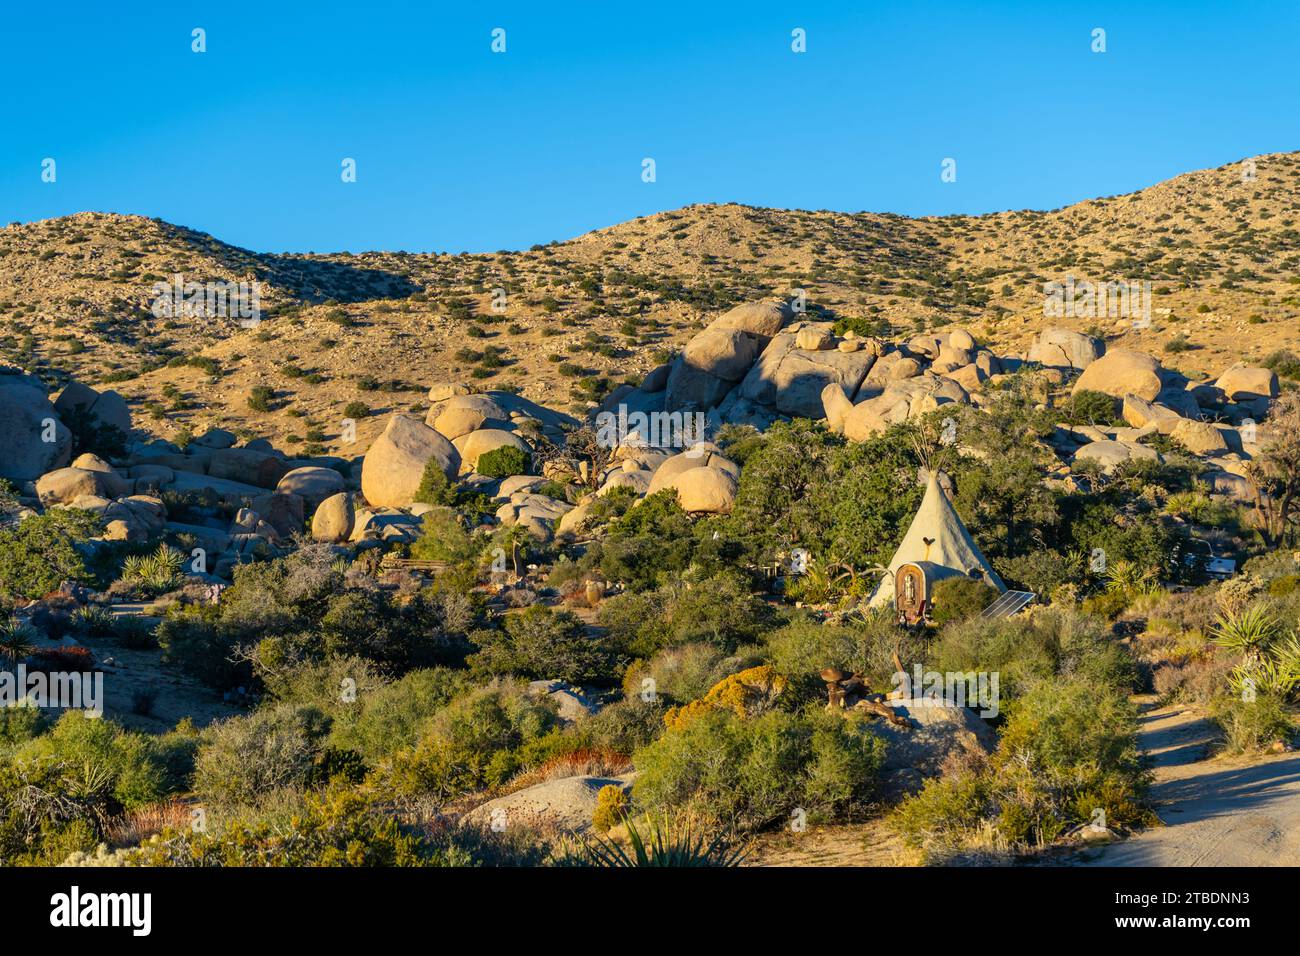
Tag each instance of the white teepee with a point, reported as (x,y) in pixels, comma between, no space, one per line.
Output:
(936,536)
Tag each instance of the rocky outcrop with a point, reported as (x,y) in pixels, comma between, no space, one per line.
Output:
(105,408)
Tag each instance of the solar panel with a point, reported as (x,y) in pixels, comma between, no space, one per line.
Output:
(1011,602)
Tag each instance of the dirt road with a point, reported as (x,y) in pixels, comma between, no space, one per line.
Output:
(1217,812)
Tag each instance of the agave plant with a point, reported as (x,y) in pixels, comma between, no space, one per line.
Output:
(665,844)
(17,640)
(1248,633)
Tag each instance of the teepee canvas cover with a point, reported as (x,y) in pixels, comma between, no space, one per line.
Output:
(938,537)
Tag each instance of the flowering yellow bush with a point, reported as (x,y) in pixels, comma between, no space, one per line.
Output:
(744,693)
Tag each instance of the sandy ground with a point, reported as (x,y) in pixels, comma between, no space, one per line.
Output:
(855,844)
(1217,812)
(131,675)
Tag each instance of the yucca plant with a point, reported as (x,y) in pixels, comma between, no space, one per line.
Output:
(1126,577)
(1248,633)
(134,568)
(666,844)
(93,620)
(17,640)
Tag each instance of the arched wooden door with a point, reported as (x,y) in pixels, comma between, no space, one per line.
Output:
(909,593)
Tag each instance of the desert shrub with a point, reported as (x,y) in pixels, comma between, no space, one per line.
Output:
(680,674)
(392,715)
(612,807)
(340,827)
(1041,571)
(956,599)
(1046,642)
(192,640)
(122,763)
(474,742)
(543,644)
(846,503)
(71,659)
(434,487)
(38,554)
(1069,748)
(243,759)
(504,462)
(1252,725)
(356,410)
(301,608)
(260,398)
(1088,407)
(443,537)
(747,693)
(621,727)
(747,774)
(803,648)
(719,610)
(647,544)
(21,722)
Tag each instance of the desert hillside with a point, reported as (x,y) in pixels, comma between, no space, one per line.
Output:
(1221,249)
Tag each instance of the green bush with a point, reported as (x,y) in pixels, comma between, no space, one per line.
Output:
(1250,726)
(956,599)
(260,398)
(1042,644)
(244,759)
(540,643)
(479,740)
(443,537)
(1069,749)
(1089,407)
(42,552)
(720,610)
(341,827)
(747,774)
(504,462)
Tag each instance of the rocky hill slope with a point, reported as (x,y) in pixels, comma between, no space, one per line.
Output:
(355,335)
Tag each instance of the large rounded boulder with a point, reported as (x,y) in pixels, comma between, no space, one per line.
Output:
(394,464)
(1247,383)
(334,519)
(1122,372)
(762,319)
(724,353)
(313,483)
(462,414)
(32,439)
(1065,348)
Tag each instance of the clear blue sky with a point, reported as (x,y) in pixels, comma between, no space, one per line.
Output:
(458,148)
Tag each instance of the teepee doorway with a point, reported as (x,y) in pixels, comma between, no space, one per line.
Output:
(910,595)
